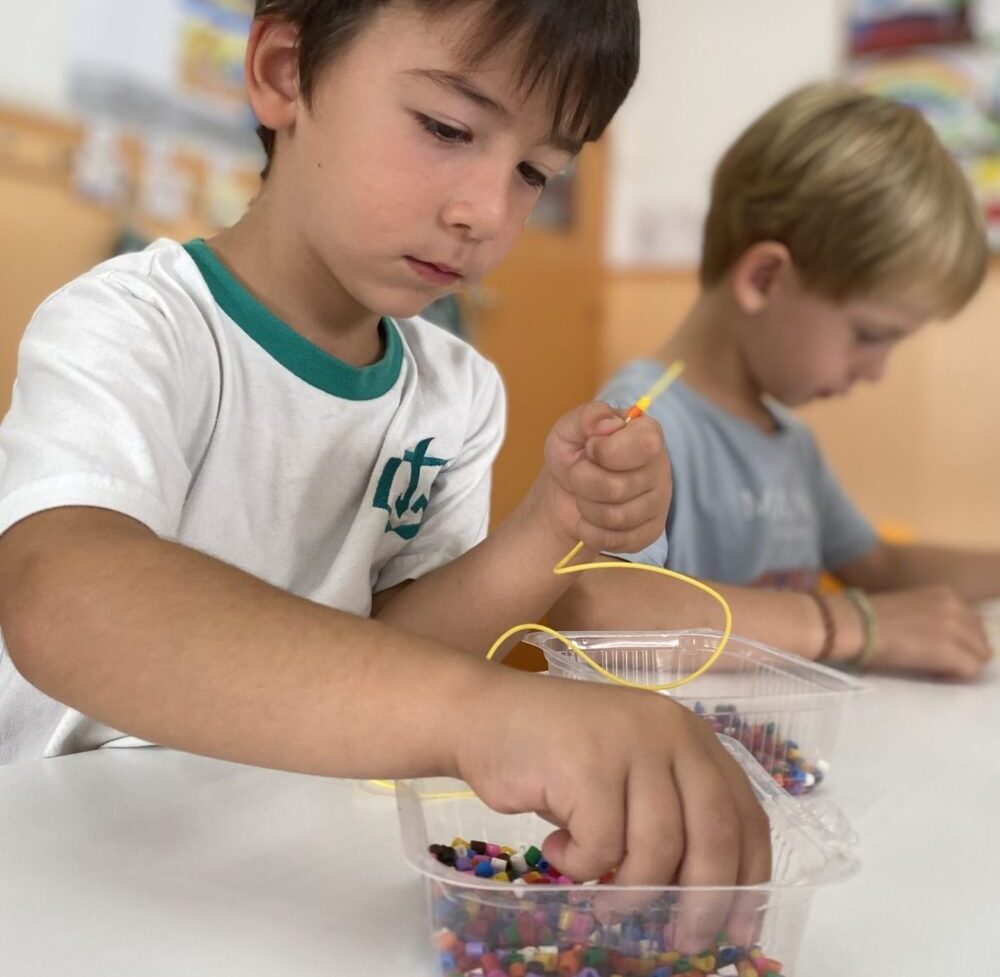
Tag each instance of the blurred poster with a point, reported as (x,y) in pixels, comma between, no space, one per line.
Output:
(173,67)
(886,25)
(902,55)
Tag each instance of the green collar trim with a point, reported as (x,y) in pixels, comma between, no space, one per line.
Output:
(294,352)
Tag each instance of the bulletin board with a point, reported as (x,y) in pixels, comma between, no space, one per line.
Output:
(943,58)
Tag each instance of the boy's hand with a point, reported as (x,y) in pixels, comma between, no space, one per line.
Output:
(606,482)
(634,784)
(929,629)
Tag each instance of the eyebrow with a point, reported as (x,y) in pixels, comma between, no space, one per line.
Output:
(461,85)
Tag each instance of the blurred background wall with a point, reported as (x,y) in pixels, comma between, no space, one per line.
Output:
(122,121)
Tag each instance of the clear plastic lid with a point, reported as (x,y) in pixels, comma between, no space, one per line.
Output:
(746,670)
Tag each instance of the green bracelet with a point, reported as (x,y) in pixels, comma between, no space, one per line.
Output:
(869,623)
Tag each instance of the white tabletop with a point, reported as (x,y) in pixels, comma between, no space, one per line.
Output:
(142,863)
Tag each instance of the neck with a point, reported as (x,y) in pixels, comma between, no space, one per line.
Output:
(714,364)
(283,272)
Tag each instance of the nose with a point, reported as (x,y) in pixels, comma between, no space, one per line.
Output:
(479,206)
(871,366)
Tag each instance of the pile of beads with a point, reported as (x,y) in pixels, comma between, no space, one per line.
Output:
(490,938)
(500,863)
(780,757)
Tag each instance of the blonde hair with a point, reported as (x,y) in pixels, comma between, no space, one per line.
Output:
(860,191)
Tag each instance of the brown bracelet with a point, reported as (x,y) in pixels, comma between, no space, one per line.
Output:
(829,627)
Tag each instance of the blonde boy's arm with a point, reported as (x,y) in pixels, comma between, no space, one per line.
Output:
(974,575)
(925,629)
(633,600)
(178,648)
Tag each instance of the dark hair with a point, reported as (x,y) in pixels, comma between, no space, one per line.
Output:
(585,52)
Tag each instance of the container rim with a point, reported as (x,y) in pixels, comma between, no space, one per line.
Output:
(825,681)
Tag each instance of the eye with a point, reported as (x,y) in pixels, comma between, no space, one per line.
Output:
(868,337)
(444,132)
(533,177)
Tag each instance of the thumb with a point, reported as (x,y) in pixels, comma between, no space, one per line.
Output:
(588,421)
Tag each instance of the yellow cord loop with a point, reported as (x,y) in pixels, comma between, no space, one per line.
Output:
(563,567)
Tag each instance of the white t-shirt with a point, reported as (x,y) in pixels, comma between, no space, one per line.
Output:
(157,386)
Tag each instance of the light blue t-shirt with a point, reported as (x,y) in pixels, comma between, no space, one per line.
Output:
(748,507)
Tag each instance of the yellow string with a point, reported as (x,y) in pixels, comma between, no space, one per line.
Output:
(430,795)
(563,567)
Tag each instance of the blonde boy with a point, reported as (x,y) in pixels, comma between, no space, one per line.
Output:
(838,227)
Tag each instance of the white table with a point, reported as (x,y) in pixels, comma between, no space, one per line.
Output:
(142,863)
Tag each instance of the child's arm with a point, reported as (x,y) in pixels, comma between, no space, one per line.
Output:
(974,575)
(604,482)
(176,647)
(926,629)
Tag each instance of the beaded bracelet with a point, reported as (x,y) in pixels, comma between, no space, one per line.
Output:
(870,624)
(829,627)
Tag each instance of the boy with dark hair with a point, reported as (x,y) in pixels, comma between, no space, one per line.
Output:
(223,457)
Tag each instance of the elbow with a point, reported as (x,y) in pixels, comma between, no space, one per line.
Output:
(30,617)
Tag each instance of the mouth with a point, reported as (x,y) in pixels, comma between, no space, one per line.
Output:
(433,272)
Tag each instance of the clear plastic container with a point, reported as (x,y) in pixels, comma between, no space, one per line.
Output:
(784,709)
(484,928)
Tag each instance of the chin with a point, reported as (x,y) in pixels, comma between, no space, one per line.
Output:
(793,400)
(402,303)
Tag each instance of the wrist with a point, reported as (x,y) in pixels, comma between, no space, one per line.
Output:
(849,626)
(479,737)
(466,731)
(869,627)
(549,509)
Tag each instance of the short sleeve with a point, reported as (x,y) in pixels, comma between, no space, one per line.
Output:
(107,407)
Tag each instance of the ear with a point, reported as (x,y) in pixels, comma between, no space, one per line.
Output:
(757,273)
(272,72)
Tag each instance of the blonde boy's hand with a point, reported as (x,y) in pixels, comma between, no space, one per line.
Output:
(606,482)
(929,629)
(633,783)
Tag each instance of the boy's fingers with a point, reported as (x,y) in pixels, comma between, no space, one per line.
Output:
(590,481)
(712,856)
(654,830)
(745,915)
(622,516)
(632,446)
(592,844)
(586,422)
(654,842)
(755,832)
(980,642)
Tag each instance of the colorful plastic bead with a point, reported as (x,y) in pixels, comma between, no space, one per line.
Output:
(566,936)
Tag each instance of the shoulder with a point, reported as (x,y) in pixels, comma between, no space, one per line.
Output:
(444,361)
(150,308)
(158,282)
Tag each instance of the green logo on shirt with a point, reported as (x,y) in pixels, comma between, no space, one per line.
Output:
(406,510)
